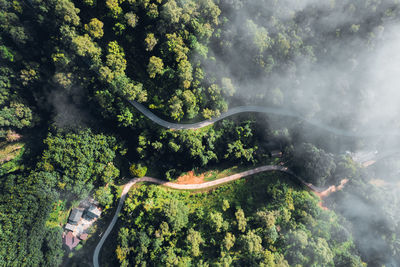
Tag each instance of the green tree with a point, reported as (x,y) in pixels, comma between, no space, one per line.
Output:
(185,73)
(171,12)
(314,164)
(210,10)
(229,241)
(190,102)
(240,220)
(225,205)
(29,75)
(150,41)
(104,196)
(152,11)
(265,218)
(252,244)
(321,252)
(176,108)
(110,172)
(70,157)
(67,12)
(137,170)
(53,247)
(227,86)
(216,221)
(116,58)
(6,53)
(85,47)
(237,150)
(95,28)
(194,241)
(15,115)
(115,9)
(177,214)
(155,66)
(261,39)
(131,19)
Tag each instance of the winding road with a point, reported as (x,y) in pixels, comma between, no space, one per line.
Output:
(188,187)
(256,109)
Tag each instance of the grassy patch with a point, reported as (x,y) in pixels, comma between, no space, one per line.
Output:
(58,215)
(11,158)
(247,192)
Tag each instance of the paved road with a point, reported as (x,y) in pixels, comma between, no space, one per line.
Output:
(187,187)
(256,109)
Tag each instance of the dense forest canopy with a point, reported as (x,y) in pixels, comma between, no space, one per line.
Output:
(253,223)
(70,69)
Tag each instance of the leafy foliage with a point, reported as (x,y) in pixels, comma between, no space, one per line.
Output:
(78,161)
(162,226)
(138,170)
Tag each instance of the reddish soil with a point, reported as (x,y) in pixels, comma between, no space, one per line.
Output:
(332,189)
(190,178)
(329,191)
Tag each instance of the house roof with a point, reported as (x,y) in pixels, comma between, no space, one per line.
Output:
(83,236)
(70,227)
(94,211)
(75,215)
(76,242)
(71,241)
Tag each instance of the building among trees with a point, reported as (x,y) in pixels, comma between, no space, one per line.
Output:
(75,216)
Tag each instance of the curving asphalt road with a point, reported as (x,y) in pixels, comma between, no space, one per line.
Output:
(188,187)
(255,109)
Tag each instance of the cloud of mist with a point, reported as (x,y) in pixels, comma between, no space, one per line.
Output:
(353,83)
(67,112)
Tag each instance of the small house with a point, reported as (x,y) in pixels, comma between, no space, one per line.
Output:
(75,216)
(93,212)
(71,241)
(70,227)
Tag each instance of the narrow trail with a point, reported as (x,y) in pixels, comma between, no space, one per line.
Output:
(205,185)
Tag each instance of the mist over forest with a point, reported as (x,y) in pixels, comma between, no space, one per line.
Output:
(98,96)
(336,62)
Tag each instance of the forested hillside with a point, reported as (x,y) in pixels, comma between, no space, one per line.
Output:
(265,221)
(71,69)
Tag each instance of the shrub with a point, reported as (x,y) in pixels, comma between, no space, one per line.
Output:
(138,170)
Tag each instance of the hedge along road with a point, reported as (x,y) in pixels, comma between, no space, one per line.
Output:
(256,109)
(188,187)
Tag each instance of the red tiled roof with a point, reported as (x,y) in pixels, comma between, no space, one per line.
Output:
(83,236)
(76,242)
(71,241)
